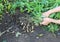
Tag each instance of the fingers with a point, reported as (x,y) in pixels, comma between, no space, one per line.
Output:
(45,14)
(46,21)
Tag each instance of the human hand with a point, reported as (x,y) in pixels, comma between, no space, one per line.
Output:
(46,21)
(46,14)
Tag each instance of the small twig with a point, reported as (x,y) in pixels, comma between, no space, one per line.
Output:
(6,31)
(27,27)
(22,23)
(23,27)
(32,29)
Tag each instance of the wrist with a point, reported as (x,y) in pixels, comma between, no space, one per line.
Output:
(46,14)
(49,12)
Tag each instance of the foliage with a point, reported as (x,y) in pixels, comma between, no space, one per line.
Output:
(1,10)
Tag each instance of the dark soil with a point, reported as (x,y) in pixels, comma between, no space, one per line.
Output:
(11,24)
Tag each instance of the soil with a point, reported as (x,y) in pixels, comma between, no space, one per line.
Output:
(12,24)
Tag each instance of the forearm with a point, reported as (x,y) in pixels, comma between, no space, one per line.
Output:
(55,21)
(46,14)
(46,21)
(57,9)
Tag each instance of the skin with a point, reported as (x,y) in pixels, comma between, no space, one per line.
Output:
(48,20)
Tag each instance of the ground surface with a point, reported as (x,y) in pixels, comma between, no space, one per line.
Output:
(30,37)
(10,36)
